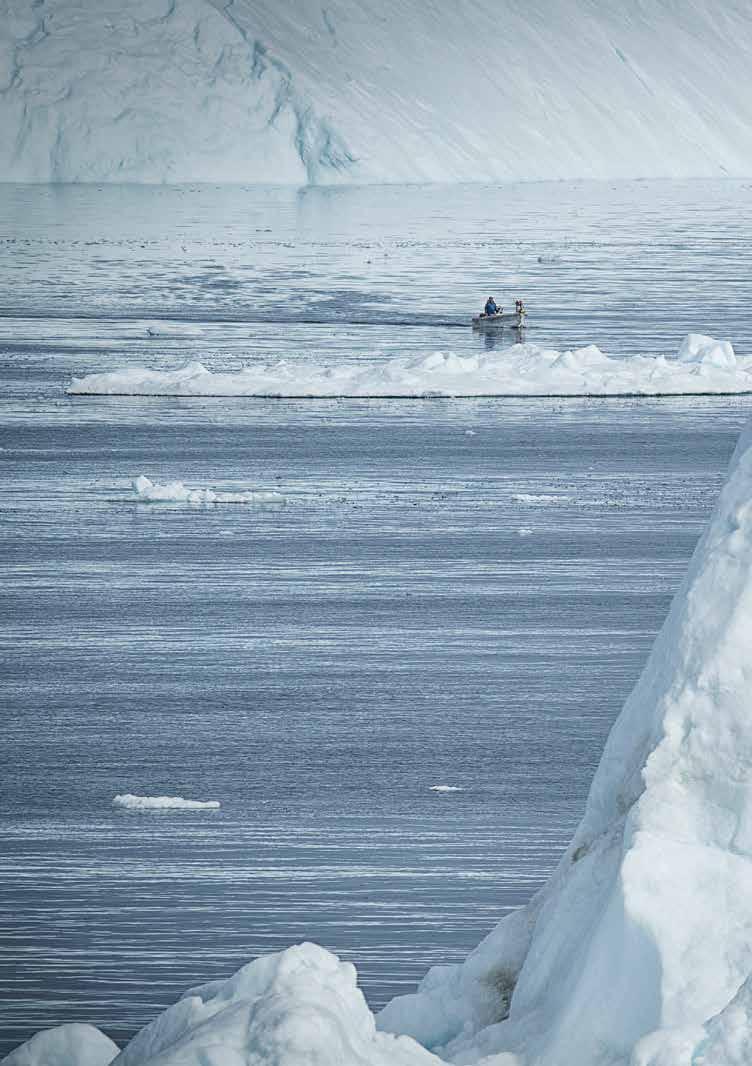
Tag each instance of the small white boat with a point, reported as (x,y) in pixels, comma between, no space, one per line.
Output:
(514,319)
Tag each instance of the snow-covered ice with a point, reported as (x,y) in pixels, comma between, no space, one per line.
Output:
(176,492)
(704,365)
(163,803)
(300,1007)
(307,91)
(638,950)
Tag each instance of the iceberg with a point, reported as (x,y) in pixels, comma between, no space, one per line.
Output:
(307,92)
(703,366)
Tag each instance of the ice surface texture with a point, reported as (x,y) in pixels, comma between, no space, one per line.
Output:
(637,952)
(315,91)
(704,365)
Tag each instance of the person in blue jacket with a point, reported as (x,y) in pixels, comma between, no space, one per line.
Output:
(491,307)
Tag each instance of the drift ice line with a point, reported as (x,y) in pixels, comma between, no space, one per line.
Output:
(703,366)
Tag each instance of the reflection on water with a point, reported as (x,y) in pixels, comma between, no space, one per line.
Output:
(498,339)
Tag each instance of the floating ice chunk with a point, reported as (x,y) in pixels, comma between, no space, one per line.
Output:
(447,788)
(519,370)
(67,1045)
(697,348)
(539,498)
(176,492)
(163,803)
(300,1007)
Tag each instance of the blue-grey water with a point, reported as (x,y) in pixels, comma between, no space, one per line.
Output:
(403,622)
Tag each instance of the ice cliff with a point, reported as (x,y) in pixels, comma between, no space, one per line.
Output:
(638,951)
(296,91)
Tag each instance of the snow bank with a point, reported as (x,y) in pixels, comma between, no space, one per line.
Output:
(520,370)
(304,91)
(175,491)
(163,803)
(67,1045)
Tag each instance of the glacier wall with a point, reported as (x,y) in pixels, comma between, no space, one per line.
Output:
(318,91)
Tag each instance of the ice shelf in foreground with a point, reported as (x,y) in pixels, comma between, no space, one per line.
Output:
(703,365)
(176,492)
(638,950)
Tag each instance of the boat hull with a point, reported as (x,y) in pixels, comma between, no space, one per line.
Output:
(515,320)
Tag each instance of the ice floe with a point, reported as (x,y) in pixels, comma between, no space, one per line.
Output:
(540,498)
(703,365)
(176,492)
(163,803)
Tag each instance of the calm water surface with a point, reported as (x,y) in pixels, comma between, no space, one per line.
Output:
(405,621)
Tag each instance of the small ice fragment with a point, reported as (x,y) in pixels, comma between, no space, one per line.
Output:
(176,492)
(543,498)
(162,803)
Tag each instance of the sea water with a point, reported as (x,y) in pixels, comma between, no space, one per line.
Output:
(456,593)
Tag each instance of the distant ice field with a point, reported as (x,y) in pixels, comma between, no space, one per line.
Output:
(456,593)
